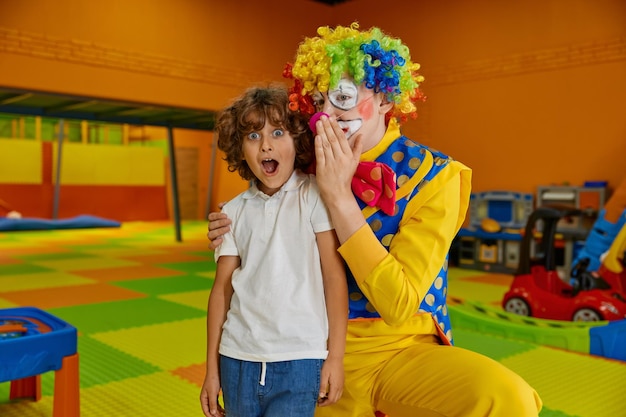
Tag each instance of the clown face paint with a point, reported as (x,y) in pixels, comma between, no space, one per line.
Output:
(354,108)
(345,96)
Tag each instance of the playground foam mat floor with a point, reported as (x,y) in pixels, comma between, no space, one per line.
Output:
(138,299)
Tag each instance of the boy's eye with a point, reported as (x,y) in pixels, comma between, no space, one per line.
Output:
(278,133)
(254,136)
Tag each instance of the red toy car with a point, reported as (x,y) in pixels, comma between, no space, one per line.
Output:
(538,291)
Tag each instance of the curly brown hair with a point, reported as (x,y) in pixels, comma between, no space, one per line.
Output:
(249,113)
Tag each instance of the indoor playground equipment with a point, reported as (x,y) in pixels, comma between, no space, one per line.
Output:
(65,110)
(601,263)
(600,338)
(597,282)
(33,342)
(539,291)
(491,240)
(77,222)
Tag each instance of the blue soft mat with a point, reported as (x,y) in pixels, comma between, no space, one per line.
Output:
(78,222)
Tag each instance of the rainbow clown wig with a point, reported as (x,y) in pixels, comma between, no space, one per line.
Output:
(378,61)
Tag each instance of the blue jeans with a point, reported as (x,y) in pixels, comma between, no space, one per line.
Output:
(270,389)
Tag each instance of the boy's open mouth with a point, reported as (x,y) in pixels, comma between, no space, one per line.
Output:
(269,165)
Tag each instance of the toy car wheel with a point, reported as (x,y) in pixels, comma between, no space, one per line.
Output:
(586,314)
(518,306)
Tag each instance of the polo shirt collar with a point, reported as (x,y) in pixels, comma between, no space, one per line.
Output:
(293,183)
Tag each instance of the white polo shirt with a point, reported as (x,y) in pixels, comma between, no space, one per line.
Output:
(278,309)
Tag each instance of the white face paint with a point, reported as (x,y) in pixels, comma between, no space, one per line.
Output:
(340,101)
(345,96)
(350,126)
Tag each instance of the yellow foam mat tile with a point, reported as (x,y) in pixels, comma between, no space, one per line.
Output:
(482,293)
(157,395)
(28,408)
(15,244)
(569,381)
(21,282)
(196,299)
(166,345)
(4,303)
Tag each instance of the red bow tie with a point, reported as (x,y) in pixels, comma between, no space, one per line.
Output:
(375,184)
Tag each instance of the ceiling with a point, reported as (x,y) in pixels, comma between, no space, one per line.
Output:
(331,2)
(63,106)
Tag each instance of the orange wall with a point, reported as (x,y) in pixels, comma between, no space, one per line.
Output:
(225,184)
(526,92)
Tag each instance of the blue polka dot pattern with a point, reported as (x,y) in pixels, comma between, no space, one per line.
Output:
(405,157)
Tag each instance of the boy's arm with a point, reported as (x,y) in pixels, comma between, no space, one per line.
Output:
(336,293)
(219,303)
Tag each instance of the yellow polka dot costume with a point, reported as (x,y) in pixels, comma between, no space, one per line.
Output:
(399,360)
(415,166)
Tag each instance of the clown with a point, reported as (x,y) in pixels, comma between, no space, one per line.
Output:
(396,206)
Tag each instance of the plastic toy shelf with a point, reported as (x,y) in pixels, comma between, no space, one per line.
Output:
(33,342)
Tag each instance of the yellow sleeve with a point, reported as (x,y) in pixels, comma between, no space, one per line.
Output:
(615,252)
(395,281)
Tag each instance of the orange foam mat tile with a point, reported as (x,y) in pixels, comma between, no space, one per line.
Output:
(71,296)
(128,273)
(5,260)
(189,248)
(193,373)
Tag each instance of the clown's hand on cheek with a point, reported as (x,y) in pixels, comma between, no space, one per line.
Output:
(336,158)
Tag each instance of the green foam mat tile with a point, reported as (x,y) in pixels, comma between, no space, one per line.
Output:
(101,363)
(123,314)
(158,286)
(548,412)
(53,256)
(86,263)
(189,267)
(493,346)
(20,269)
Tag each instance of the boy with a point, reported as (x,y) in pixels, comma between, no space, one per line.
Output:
(277,312)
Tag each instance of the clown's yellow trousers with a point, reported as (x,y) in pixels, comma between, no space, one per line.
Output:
(414,376)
